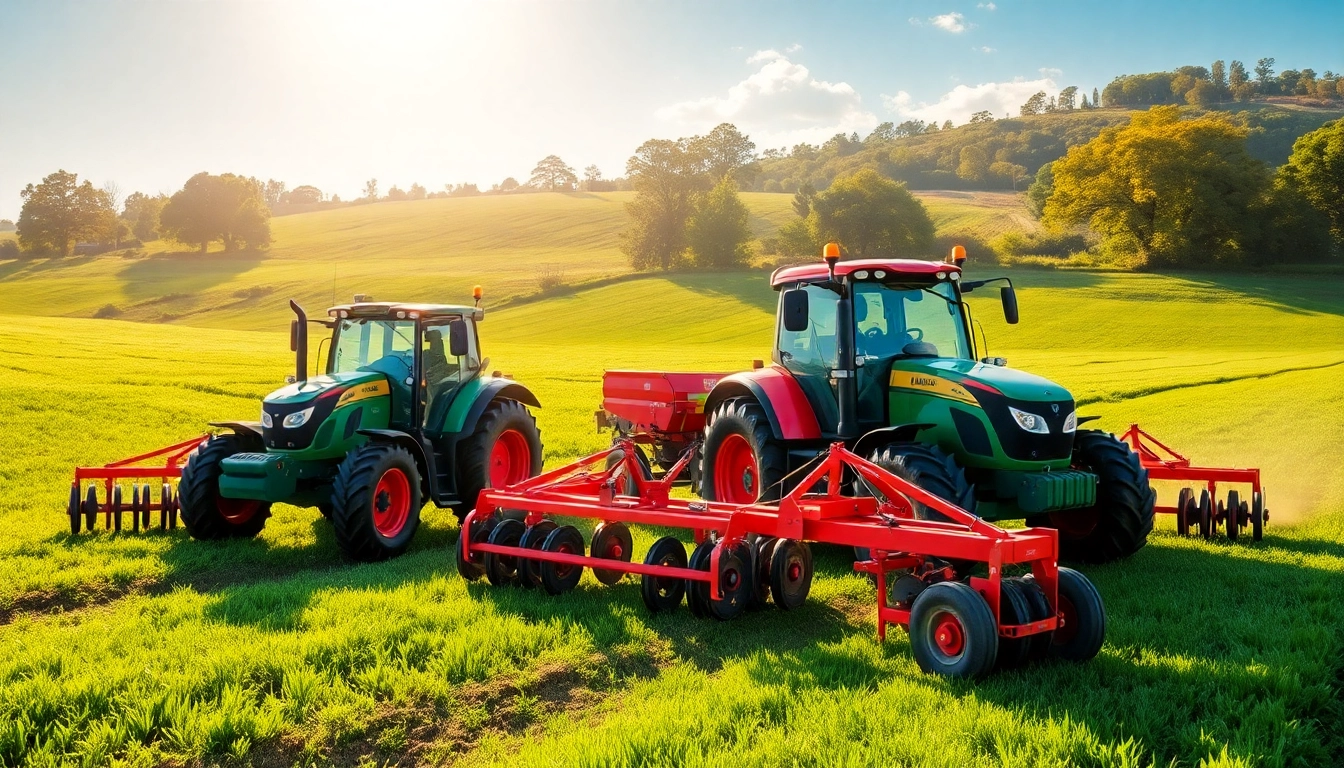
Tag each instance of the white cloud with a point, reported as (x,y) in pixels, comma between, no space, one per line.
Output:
(1051,72)
(796,47)
(986,6)
(963,101)
(781,103)
(984,49)
(950,22)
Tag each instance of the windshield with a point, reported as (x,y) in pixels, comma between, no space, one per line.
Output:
(889,316)
(362,344)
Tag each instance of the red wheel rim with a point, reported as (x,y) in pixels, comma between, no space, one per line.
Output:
(562,569)
(1075,523)
(795,571)
(1065,633)
(948,636)
(236,511)
(735,473)
(391,503)
(510,459)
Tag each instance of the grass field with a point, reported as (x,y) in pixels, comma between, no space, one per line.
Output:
(153,649)
(425,250)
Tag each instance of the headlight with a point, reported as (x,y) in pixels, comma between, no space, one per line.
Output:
(1071,423)
(298,419)
(1030,421)
(266,419)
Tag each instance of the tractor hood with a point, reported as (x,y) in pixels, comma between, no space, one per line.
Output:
(305,391)
(1012,384)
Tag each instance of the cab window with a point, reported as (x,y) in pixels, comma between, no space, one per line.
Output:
(814,348)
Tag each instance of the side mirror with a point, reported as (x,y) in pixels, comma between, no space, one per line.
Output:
(459,344)
(293,335)
(794,308)
(1009,297)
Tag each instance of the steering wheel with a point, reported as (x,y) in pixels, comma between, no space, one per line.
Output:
(874,334)
(918,333)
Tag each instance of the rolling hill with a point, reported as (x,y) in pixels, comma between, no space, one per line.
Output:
(424,250)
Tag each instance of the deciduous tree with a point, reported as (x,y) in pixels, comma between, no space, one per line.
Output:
(142,214)
(1068,98)
(719,231)
(224,207)
(553,174)
(1161,189)
(59,212)
(973,165)
(371,190)
(1316,171)
(1035,105)
(305,195)
(872,216)
(666,176)
(983,116)
(726,151)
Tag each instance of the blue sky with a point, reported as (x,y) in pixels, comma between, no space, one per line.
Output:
(334,93)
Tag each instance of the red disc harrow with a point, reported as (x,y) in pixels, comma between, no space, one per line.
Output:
(750,553)
(1206,513)
(125,489)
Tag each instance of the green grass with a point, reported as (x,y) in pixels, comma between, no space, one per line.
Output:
(425,250)
(150,649)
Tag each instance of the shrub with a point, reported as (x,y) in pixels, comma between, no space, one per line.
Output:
(550,278)
(253,292)
(9,249)
(978,250)
(107,311)
(1057,245)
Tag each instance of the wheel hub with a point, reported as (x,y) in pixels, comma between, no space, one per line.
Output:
(948,635)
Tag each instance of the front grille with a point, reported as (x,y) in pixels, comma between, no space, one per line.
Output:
(1020,444)
(279,437)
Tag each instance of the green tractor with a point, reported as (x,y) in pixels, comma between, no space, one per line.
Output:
(403,413)
(879,354)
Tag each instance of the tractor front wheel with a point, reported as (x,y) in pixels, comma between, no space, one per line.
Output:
(205,513)
(376,502)
(1118,524)
(743,463)
(505,449)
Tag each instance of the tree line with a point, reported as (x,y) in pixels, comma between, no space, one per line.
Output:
(60,212)
(1170,191)
(1222,82)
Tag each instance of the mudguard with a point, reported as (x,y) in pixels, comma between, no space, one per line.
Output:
(468,406)
(240,427)
(780,395)
(899,433)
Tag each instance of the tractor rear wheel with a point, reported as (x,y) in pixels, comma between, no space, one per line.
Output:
(205,513)
(1118,524)
(742,462)
(505,449)
(376,502)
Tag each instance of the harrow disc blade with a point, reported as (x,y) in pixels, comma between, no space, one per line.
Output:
(91,508)
(73,510)
(135,508)
(114,508)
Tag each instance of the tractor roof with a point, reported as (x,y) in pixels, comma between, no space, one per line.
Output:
(807,273)
(392,308)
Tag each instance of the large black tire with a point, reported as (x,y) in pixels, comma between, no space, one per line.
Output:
(952,631)
(376,502)
(511,420)
(741,419)
(1084,628)
(932,470)
(206,514)
(1119,524)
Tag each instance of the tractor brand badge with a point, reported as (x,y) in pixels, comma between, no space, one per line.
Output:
(932,385)
(1054,408)
(709,383)
(363,391)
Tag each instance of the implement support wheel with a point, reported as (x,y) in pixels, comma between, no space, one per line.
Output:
(91,508)
(613,542)
(1233,513)
(1184,506)
(473,569)
(1084,618)
(558,578)
(952,631)
(1013,609)
(736,582)
(74,511)
(697,592)
(502,570)
(529,571)
(790,573)
(664,593)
